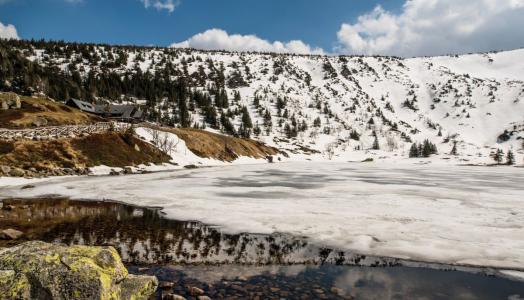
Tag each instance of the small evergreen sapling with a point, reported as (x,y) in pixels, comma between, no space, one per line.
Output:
(454,149)
(510,158)
(376,145)
(413,151)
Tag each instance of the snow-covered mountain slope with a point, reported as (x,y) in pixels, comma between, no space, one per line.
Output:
(319,107)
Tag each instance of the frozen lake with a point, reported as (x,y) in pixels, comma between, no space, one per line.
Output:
(446,214)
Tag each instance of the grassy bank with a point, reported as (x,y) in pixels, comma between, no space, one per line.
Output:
(110,149)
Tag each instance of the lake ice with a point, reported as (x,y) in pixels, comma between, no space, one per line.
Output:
(446,214)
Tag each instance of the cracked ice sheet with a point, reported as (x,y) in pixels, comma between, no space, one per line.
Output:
(445,214)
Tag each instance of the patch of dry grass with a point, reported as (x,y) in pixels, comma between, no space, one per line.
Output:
(110,149)
(117,150)
(222,147)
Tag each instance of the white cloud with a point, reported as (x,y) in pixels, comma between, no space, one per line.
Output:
(8,32)
(431,27)
(168,5)
(218,39)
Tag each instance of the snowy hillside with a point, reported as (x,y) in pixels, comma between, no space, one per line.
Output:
(327,107)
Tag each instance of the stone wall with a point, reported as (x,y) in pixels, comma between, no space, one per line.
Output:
(64,131)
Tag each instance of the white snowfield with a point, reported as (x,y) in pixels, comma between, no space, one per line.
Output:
(444,214)
(468,99)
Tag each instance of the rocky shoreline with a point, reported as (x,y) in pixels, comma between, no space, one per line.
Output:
(8,171)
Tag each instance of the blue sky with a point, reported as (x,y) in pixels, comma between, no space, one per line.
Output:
(129,22)
(398,27)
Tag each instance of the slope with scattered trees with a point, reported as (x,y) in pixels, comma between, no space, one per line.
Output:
(337,105)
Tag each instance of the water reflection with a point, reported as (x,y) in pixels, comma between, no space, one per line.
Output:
(143,235)
(335,282)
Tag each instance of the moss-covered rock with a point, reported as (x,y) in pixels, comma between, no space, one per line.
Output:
(14,286)
(50,271)
(137,287)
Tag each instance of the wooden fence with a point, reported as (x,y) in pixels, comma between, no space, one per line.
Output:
(54,132)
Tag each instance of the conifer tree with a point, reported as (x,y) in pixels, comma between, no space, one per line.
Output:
(246,118)
(211,117)
(287,130)
(413,151)
(257,130)
(317,122)
(244,132)
(510,158)
(354,135)
(376,145)
(267,119)
(454,149)
(498,156)
(227,126)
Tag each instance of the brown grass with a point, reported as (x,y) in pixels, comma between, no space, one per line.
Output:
(55,113)
(117,150)
(216,146)
(6,147)
(110,149)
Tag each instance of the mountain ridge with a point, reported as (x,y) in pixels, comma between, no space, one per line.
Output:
(340,106)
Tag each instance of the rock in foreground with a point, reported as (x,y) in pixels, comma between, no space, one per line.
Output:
(38,270)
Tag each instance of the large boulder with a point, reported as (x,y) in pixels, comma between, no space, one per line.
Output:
(40,121)
(5,170)
(16,172)
(10,234)
(10,101)
(14,286)
(38,270)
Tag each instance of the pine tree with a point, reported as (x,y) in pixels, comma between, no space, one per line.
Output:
(211,117)
(354,135)
(510,158)
(267,119)
(281,104)
(257,130)
(413,151)
(244,132)
(256,101)
(246,118)
(287,131)
(498,156)
(317,122)
(427,149)
(227,125)
(454,149)
(376,145)
(237,97)
(183,113)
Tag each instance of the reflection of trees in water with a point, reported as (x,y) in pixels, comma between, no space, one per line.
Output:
(147,237)
(143,235)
